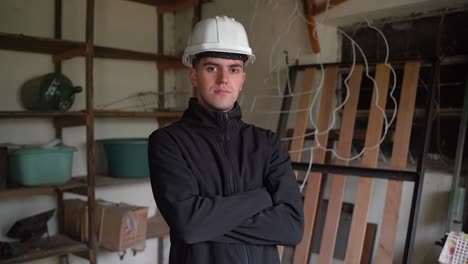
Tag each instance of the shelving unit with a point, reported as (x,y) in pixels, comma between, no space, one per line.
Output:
(62,50)
(53,246)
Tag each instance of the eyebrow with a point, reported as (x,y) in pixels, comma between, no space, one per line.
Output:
(234,65)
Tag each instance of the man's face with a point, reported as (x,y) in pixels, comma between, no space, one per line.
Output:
(217,82)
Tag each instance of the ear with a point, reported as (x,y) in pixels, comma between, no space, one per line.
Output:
(244,76)
(193,77)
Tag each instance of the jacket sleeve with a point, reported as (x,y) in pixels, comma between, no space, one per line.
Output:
(193,218)
(282,223)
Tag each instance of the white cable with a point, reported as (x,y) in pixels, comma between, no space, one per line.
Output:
(306,177)
(277,68)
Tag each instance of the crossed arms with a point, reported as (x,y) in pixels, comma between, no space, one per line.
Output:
(271,215)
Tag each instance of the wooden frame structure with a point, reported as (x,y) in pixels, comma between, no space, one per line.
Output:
(396,174)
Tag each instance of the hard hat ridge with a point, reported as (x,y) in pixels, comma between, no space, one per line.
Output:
(218,34)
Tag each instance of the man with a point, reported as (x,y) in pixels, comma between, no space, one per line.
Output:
(225,188)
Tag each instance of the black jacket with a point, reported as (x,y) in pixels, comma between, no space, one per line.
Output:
(226,189)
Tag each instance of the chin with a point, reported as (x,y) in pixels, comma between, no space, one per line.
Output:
(222,107)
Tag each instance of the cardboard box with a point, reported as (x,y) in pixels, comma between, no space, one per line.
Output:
(119,226)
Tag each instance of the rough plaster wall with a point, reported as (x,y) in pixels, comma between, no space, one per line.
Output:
(269,39)
(353,11)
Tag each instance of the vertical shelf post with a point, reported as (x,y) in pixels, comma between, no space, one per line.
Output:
(90,127)
(58,29)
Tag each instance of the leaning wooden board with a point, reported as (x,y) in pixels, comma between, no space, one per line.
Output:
(386,245)
(302,117)
(369,160)
(339,181)
(301,253)
(302,120)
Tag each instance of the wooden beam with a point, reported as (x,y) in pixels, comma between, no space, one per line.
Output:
(332,219)
(322,7)
(301,254)
(359,134)
(58,29)
(66,121)
(157,2)
(170,64)
(156,114)
(69,54)
(114,53)
(369,160)
(386,246)
(24,43)
(157,227)
(311,27)
(54,246)
(369,239)
(175,5)
(302,118)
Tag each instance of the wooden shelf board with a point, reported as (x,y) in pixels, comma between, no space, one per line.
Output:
(54,246)
(98,113)
(39,190)
(157,227)
(102,181)
(175,4)
(24,43)
(16,114)
(114,53)
(156,114)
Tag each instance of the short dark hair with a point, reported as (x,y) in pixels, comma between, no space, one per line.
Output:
(216,54)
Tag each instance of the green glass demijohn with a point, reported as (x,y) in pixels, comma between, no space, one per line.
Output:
(53,91)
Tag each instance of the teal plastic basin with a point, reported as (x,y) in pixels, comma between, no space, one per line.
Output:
(127,157)
(36,166)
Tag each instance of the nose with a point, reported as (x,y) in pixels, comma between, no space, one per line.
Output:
(223,76)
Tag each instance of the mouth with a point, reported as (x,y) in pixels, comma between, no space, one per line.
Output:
(222,91)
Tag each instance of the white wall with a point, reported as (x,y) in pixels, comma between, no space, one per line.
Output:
(119,24)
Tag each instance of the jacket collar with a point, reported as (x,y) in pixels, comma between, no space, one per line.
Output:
(197,115)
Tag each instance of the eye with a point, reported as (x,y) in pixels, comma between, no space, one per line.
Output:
(210,68)
(235,70)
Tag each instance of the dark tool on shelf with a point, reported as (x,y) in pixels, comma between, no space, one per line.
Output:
(32,227)
(26,230)
(12,249)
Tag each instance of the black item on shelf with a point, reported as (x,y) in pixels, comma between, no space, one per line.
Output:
(52,91)
(3,167)
(32,227)
(13,249)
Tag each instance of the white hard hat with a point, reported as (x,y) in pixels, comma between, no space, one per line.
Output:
(218,34)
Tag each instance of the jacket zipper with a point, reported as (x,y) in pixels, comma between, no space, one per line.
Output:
(247,256)
(226,138)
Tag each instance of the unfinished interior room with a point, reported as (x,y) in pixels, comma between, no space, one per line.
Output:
(220,131)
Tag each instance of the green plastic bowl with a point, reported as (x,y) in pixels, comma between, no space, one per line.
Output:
(127,157)
(36,166)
